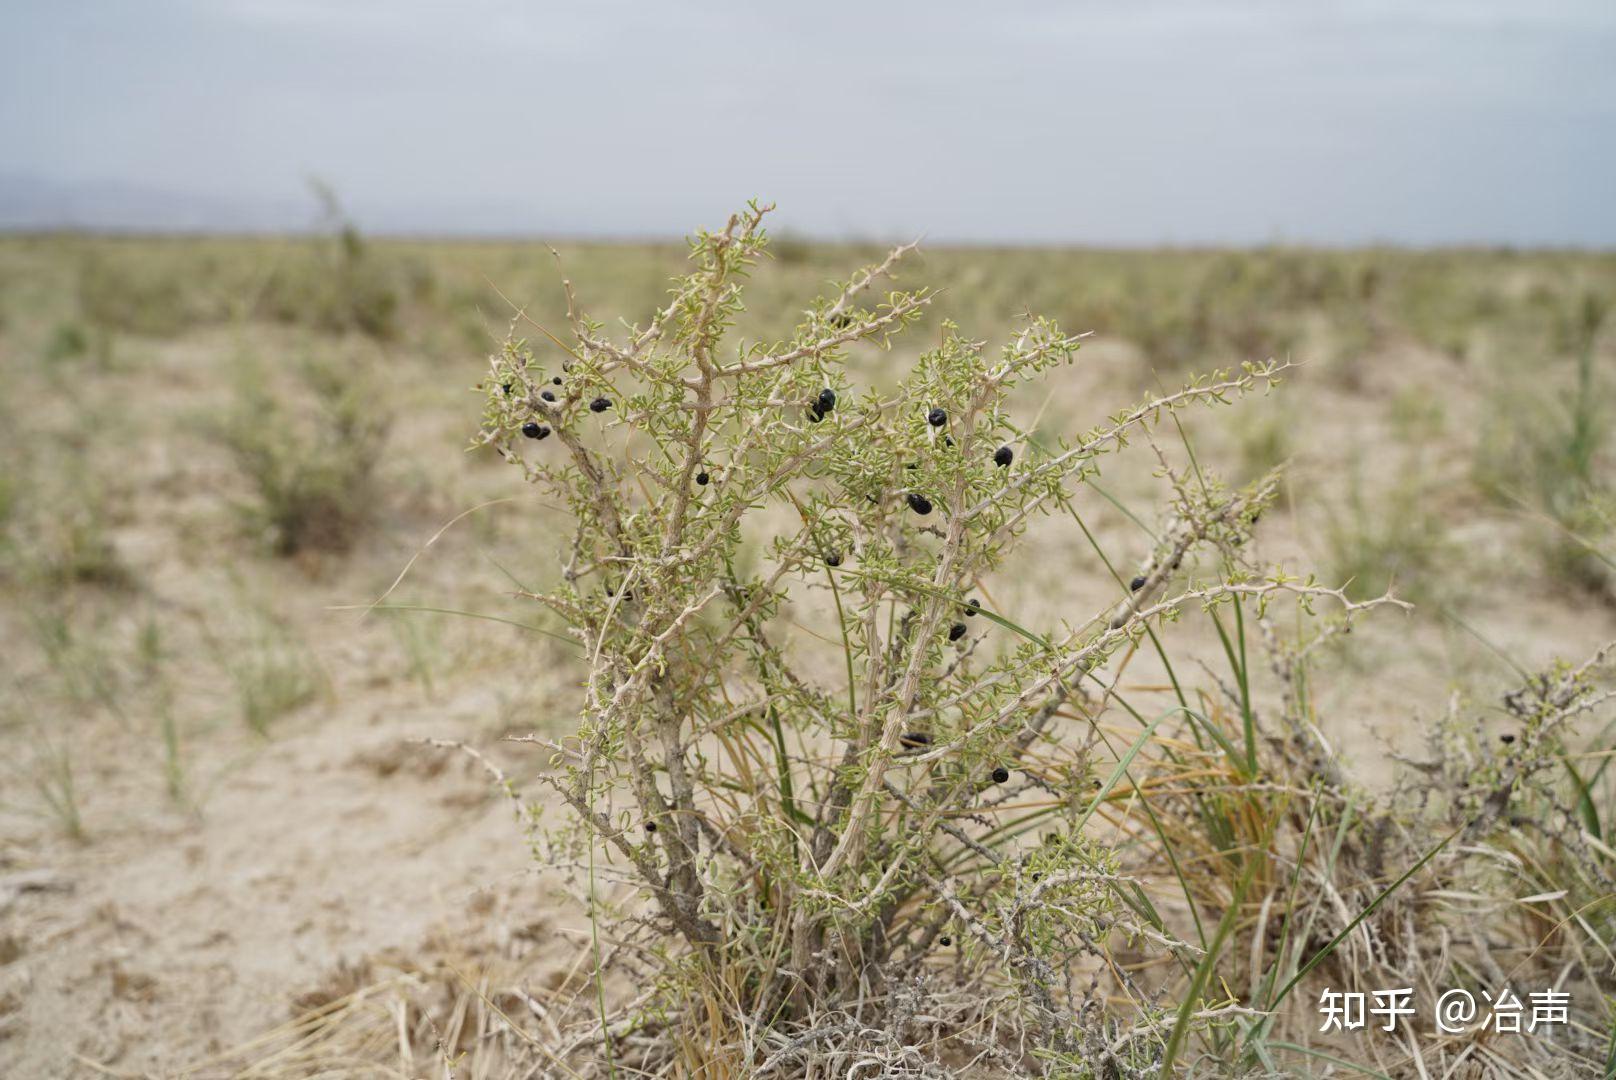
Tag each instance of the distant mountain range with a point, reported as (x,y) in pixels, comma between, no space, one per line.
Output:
(34,204)
(30,203)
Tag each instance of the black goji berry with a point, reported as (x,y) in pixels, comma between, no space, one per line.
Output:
(945,941)
(534,430)
(556,380)
(914,740)
(919,504)
(650,826)
(827,400)
(547,396)
(1003,456)
(972,606)
(1506,739)
(600,404)
(1001,774)
(833,559)
(956,631)
(1136,584)
(937,418)
(702,478)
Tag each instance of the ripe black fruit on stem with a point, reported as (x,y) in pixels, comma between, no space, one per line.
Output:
(534,430)
(1001,774)
(914,740)
(937,418)
(505,387)
(833,559)
(556,380)
(547,396)
(956,631)
(919,504)
(1506,739)
(650,826)
(702,478)
(945,941)
(827,400)
(972,606)
(1003,456)
(1136,584)
(600,404)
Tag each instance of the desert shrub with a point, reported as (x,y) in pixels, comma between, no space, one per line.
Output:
(309,453)
(67,341)
(120,291)
(56,526)
(336,284)
(895,837)
(835,812)
(335,281)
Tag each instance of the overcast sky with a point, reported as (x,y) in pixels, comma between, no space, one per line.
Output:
(1149,121)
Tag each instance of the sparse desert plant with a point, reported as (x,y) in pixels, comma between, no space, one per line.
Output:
(56,526)
(914,835)
(55,783)
(118,290)
(420,640)
(272,678)
(1264,440)
(1550,453)
(310,456)
(272,671)
(39,774)
(334,281)
(67,341)
(1386,535)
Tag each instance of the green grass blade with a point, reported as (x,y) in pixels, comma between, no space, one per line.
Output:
(464,614)
(1203,970)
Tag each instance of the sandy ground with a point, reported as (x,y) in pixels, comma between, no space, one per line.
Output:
(334,853)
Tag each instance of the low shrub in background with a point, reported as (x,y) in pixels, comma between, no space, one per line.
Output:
(308,453)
